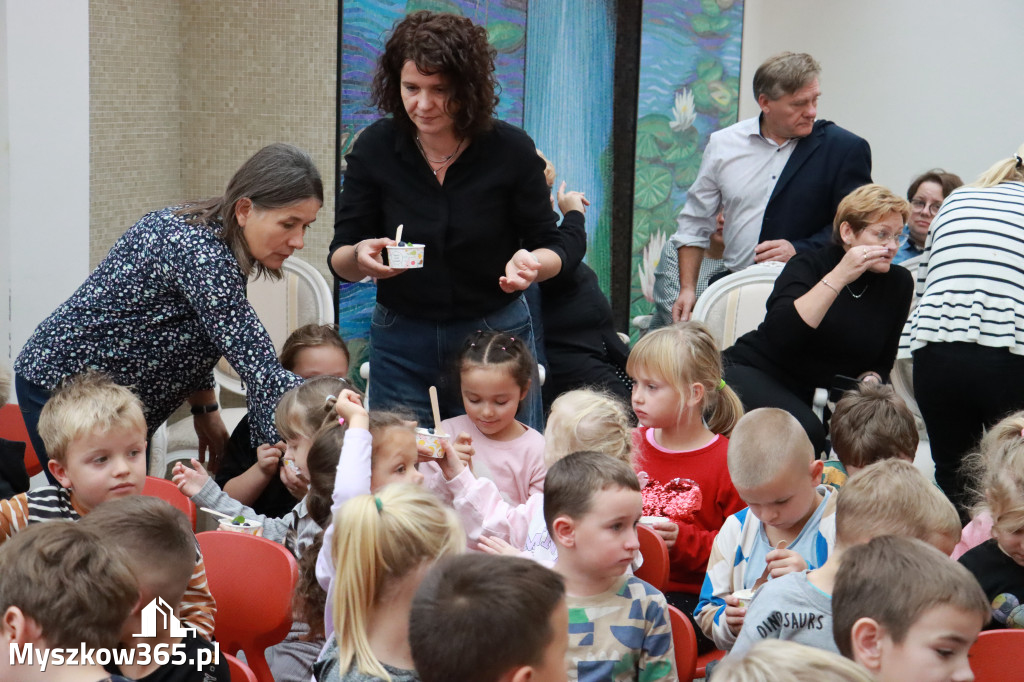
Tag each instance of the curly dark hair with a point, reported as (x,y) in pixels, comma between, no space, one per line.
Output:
(447,44)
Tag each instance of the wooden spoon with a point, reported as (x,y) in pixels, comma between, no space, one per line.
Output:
(765,576)
(438,430)
(398,235)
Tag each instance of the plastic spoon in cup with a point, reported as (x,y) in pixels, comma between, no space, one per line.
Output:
(436,409)
(217,513)
(398,235)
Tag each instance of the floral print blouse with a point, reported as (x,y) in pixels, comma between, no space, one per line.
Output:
(157,313)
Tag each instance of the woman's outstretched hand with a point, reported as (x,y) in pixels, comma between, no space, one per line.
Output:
(520,272)
(370,261)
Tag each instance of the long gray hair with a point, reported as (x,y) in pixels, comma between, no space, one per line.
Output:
(276,176)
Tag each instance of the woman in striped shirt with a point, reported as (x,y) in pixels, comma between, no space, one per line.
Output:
(967,333)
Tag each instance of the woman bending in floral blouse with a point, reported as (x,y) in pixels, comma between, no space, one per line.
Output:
(169,300)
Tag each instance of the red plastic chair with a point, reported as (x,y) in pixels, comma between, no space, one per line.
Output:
(655,553)
(252,580)
(993,652)
(240,672)
(12,427)
(167,491)
(704,659)
(684,641)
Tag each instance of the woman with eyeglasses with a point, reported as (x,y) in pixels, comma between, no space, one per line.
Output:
(926,194)
(966,335)
(836,312)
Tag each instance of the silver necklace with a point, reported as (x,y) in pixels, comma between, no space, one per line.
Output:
(445,162)
(864,291)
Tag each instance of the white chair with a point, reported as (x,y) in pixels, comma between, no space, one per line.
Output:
(302,296)
(736,304)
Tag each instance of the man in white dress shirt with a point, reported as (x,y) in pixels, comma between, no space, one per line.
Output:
(778,178)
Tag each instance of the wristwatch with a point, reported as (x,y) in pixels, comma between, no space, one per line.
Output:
(204,409)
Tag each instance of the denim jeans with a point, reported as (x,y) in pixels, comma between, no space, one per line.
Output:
(410,354)
(31,398)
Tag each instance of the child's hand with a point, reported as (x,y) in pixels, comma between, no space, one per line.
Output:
(497,546)
(734,614)
(463,446)
(189,481)
(451,465)
(268,457)
(668,531)
(783,561)
(350,408)
(297,484)
(571,201)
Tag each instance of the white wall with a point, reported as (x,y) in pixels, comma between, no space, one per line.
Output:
(44,161)
(927,82)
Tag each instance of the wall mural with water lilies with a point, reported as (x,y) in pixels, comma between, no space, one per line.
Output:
(689,85)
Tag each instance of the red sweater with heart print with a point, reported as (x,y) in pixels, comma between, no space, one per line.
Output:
(694,490)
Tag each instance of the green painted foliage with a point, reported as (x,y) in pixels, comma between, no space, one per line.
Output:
(653,185)
(506,36)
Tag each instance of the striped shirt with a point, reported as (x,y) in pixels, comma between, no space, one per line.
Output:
(51,503)
(971,278)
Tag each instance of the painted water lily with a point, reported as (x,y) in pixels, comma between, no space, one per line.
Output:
(683,111)
(650,260)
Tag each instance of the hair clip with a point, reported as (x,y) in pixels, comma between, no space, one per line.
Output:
(504,349)
(512,338)
(380,505)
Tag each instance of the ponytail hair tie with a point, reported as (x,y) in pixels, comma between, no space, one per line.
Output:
(341,421)
(721,384)
(1019,160)
(328,399)
(380,505)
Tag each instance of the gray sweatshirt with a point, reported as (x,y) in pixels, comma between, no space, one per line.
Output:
(789,607)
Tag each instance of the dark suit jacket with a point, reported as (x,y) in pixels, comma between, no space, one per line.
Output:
(827,165)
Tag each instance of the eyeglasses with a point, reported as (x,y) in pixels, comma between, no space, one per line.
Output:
(884,237)
(931,209)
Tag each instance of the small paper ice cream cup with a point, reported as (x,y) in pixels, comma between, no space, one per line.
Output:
(744,596)
(248,527)
(428,439)
(406,256)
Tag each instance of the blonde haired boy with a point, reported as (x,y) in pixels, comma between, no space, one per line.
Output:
(905,611)
(890,497)
(61,588)
(772,464)
(777,660)
(95,434)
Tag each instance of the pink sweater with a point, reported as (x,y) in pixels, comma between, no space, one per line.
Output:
(483,512)
(516,466)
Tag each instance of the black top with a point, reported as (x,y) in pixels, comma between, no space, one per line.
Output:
(855,336)
(494,201)
(239,455)
(1002,578)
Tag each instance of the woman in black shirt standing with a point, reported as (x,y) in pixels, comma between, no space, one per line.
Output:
(468,187)
(837,311)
